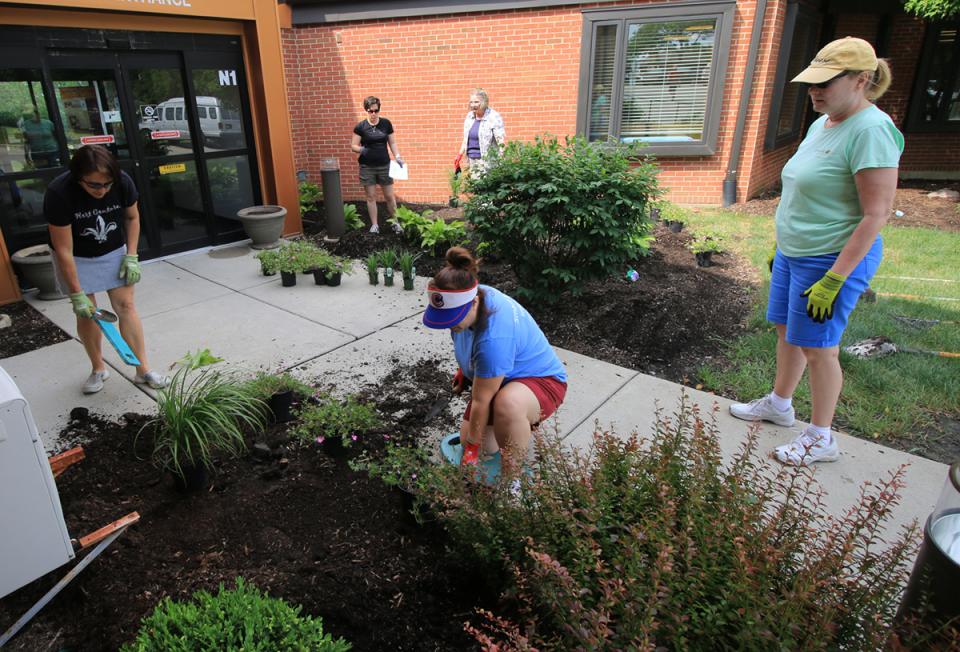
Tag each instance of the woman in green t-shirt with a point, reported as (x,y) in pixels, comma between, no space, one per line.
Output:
(838,192)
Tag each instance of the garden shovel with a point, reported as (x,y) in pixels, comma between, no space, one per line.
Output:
(438,407)
(106,320)
(876,347)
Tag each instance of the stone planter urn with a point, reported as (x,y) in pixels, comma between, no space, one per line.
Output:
(36,266)
(263,225)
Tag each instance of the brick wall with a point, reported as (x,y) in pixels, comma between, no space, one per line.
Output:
(528,61)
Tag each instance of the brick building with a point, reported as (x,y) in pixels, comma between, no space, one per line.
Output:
(680,70)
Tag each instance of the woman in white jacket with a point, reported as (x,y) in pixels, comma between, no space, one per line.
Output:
(482,130)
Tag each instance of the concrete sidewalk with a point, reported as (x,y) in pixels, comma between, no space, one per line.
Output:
(352,335)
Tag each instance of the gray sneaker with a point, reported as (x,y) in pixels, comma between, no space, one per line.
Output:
(94,382)
(154,379)
(375,229)
(809,448)
(762,410)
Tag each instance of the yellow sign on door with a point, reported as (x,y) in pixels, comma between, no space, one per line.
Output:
(171,168)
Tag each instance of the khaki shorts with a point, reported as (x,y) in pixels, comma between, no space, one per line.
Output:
(375,175)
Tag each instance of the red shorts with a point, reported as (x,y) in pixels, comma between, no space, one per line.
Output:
(548,390)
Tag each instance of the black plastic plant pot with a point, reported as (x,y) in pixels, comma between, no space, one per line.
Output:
(374,280)
(267,272)
(195,478)
(333,280)
(454,202)
(407,282)
(319,277)
(333,446)
(280,404)
(676,227)
(704,258)
(654,214)
(388,277)
(931,594)
(288,279)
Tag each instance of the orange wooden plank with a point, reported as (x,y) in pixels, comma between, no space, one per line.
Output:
(63,461)
(96,537)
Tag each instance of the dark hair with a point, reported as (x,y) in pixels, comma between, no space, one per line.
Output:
(461,272)
(370,101)
(94,158)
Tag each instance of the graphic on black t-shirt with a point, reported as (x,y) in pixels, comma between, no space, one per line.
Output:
(96,224)
(374,138)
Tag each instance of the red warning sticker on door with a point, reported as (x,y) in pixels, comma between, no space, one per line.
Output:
(96,140)
(163,135)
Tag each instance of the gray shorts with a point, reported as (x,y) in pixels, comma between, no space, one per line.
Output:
(375,175)
(95,274)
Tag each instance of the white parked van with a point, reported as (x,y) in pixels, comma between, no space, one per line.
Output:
(217,128)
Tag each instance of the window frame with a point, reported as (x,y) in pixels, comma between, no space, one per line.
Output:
(722,12)
(795,13)
(914,122)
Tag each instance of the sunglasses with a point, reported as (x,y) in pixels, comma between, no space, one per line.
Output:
(373,110)
(93,185)
(827,83)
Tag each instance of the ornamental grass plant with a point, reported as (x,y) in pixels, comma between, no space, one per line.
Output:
(660,544)
(200,414)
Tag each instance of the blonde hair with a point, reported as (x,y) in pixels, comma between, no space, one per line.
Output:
(880,82)
(482,94)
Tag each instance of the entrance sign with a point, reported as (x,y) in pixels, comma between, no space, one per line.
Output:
(163,135)
(96,140)
(172,168)
(227,77)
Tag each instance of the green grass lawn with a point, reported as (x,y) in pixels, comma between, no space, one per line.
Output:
(898,398)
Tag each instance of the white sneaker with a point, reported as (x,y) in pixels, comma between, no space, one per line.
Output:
(762,410)
(807,449)
(375,229)
(94,382)
(154,379)
(397,228)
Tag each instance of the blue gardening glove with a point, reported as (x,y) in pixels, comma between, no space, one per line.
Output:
(771,256)
(822,295)
(82,305)
(130,269)
(399,161)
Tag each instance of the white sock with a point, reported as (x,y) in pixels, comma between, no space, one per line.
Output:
(781,404)
(821,432)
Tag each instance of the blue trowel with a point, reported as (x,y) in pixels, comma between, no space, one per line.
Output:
(107,322)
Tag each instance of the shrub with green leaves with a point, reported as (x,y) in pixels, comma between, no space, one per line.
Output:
(660,542)
(411,221)
(347,420)
(265,385)
(706,241)
(309,194)
(563,214)
(351,217)
(439,233)
(237,620)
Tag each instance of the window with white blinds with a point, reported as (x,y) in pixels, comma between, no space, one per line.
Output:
(655,76)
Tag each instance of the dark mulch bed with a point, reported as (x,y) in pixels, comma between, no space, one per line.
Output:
(295,522)
(29,330)
(671,320)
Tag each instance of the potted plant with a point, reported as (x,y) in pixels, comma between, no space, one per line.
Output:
(455,184)
(704,246)
(373,263)
(319,262)
(288,264)
(263,225)
(388,259)
(406,261)
(279,392)
(673,217)
(338,267)
(401,467)
(336,425)
(36,268)
(200,414)
(269,261)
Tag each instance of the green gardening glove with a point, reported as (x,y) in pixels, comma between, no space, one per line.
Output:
(822,295)
(82,306)
(771,256)
(130,268)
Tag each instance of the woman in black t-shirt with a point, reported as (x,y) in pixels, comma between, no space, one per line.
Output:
(94,226)
(370,139)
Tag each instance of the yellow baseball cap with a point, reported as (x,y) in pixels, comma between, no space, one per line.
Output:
(847,53)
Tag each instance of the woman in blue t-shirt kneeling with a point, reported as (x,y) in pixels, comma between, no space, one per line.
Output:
(518,380)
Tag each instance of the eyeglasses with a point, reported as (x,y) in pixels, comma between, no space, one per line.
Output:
(93,185)
(373,110)
(827,83)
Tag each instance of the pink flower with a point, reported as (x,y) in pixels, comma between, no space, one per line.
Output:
(320,439)
(353,437)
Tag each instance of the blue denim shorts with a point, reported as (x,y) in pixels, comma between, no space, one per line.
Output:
(791,276)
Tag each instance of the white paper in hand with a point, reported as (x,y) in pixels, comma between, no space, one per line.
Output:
(397,171)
